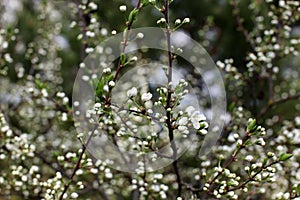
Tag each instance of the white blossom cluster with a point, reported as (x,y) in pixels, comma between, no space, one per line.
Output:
(40,154)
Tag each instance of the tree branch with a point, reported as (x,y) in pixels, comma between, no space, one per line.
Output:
(169,98)
(77,167)
(271,104)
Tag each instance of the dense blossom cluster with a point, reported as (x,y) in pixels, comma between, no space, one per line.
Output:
(42,156)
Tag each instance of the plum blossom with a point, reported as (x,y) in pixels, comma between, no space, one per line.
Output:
(146,96)
(196,118)
(132,92)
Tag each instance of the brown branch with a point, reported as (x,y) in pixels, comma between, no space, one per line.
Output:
(271,104)
(82,17)
(251,178)
(241,27)
(169,98)
(77,166)
(230,160)
(129,26)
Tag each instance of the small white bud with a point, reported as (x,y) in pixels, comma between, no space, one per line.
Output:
(123,8)
(111,83)
(177,21)
(140,35)
(186,20)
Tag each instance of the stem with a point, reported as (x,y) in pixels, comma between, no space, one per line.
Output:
(169,98)
(252,177)
(277,102)
(129,26)
(84,44)
(77,167)
(230,160)
(241,27)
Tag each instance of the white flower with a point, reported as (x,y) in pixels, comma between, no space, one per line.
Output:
(74,195)
(261,141)
(297,120)
(140,35)
(106,88)
(186,20)
(183,121)
(132,92)
(146,96)
(108,175)
(158,176)
(73,24)
(196,124)
(85,78)
(123,8)
(93,20)
(182,128)
(64,117)
(190,110)
(8,58)
(161,20)
(198,116)
(177,21)
(133,59)
(203,132)
(97,105)
(249,158)
(111,83)
(93,6)
(107,70)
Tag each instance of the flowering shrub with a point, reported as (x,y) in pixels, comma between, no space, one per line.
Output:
(153,123)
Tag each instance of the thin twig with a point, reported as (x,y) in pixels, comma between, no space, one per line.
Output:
(241,27)
(230,160)
(129,26)
(77,166)
(271,104)
(169,98)
(251,178)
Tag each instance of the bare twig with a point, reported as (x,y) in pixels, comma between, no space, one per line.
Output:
(271,104)
(241,27)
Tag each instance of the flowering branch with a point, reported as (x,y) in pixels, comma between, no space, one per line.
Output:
(169,97)
(77,166)
(127,30)
(252,178)
(230,160)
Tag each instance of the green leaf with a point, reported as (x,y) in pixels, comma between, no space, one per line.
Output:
(99,90)
(145,3)
(251,125)
(40,85)
(248,142)
(298,189)
(133,15)
(55,154)
(285,156)
(110,77)
(265,161)
(231,107)
(123,58)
